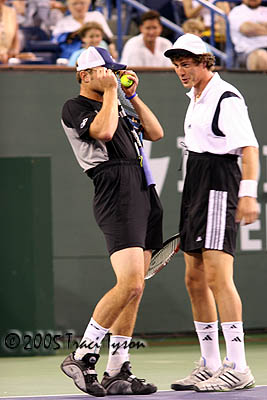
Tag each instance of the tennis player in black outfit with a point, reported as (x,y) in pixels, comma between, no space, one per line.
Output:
(127,210)
(217,132)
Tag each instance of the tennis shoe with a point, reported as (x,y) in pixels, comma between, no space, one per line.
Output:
(126,383)
(199,374)
(83,373)
(227,379)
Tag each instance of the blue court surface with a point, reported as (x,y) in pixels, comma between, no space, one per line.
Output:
(257,393)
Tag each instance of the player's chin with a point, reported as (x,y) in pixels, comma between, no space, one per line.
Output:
(187,84)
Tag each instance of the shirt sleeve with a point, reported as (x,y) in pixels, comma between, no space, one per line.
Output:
(235,123)
(235,20)
(78,118)
(58,29)
(101,19)
(126,53)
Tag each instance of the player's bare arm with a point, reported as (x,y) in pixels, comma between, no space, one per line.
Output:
(103,81)
(152,128)
(248,209)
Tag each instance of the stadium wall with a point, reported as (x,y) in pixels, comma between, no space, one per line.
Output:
(31,103)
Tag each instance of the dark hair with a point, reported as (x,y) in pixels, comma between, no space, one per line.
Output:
(87,27)
(152,14)
(206,58)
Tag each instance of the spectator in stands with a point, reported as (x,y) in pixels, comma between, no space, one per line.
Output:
(41,13)
(79,15)
(147,49)
(193,9)
(193,25)
(91,34)
(196,27)
(32,14)
(9,39)
(248,25)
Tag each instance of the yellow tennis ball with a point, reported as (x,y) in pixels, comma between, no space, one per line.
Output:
(126,81)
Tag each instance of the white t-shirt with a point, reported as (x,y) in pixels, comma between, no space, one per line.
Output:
(218,129)
(69,24)
(135,53)
(241,14)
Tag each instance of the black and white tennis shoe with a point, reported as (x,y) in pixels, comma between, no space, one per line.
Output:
(83,373)
(199,374)
(126,383)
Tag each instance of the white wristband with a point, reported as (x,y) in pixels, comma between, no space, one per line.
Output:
(248,187)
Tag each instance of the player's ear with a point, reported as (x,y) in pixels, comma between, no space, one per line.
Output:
(85,77)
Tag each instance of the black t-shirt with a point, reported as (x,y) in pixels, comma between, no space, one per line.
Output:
(77,115)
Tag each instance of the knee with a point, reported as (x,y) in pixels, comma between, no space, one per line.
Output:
(133,289)
(194,284)
(213,282)
(257,60)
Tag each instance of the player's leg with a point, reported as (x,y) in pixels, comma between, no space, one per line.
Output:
(219,274)
(205,320)
(128,265)
(201,297)
(118,378)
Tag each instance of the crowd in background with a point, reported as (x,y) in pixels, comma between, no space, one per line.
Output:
(62,29)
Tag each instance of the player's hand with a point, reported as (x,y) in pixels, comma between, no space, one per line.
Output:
(247,210)
(132,89)
(105,79)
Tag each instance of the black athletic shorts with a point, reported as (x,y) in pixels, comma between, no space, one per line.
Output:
(127,211)
(209,203)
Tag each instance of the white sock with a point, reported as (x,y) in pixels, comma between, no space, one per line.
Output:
(235,348)
(208,337)
(91,341)
(118,353)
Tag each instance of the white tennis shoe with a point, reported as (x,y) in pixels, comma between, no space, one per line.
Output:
(226,379)
(199,374)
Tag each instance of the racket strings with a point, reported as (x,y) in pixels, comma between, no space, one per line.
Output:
(161,257)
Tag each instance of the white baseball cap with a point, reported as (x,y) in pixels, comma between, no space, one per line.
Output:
(97,57)
(189,42)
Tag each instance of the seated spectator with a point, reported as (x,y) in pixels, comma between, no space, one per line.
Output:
(79,15)
(147,49)
(9,39)
(196,27)
(248,26)
(42,14)
(91,34)
(193,9)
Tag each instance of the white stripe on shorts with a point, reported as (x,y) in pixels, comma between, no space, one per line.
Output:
(215,229)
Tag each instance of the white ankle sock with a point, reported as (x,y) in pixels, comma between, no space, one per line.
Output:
(235,348)
(118,353)
(91,341)
(208,337)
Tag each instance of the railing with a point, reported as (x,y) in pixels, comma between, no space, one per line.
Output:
(140,7)
(226,57)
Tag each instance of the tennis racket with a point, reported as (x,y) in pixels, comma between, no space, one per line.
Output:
(131,118)
(160,258)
